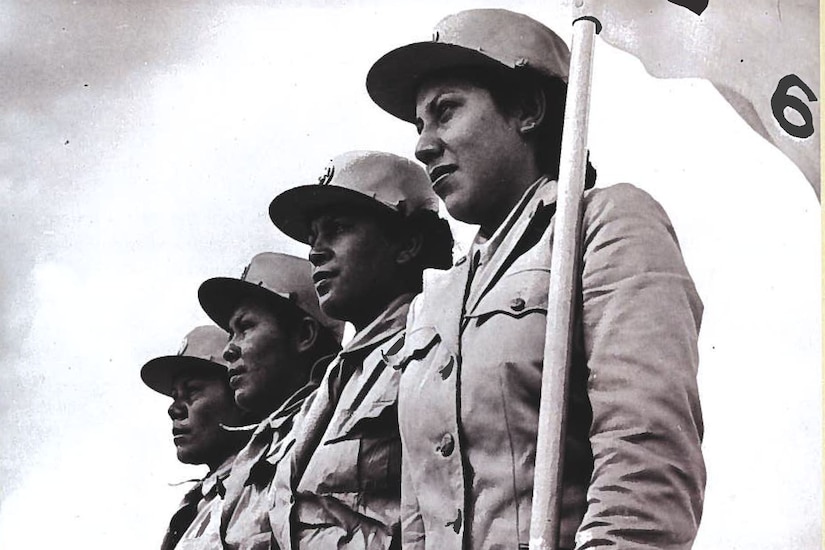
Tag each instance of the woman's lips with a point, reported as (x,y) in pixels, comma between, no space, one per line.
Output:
(322,280)
(440,180)
(178,434)
(235,380)
(439,175)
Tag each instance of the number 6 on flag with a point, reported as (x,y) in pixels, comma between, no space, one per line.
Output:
(782,100)
(761,55)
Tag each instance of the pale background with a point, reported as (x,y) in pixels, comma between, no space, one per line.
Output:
(140,145)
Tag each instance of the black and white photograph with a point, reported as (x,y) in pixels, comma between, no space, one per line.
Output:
(432,275)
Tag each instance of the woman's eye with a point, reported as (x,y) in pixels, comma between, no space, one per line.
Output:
(444,110)
(239,329)
(336,228)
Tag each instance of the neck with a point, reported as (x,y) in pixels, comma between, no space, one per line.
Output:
(508,201)
(273,401)
(360,322)
(217,462)
(363,318)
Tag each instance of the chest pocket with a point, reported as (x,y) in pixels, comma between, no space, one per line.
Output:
(361,450)
(516,295)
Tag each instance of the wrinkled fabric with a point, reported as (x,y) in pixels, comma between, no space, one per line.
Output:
(633,474)
(244,520)
(202,530)
(183,516)
(339,487)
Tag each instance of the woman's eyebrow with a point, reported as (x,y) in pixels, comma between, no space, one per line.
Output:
(430,105)
(237,317)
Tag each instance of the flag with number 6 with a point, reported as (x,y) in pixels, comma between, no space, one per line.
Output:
(762,56)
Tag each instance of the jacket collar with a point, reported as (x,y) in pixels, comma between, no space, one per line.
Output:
(390,322)
(446,291)
(288,409)
(494,254)
(377,392)
(443,291)
(213,482)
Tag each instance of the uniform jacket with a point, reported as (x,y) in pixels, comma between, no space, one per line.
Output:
(194,526)
(244,521)
(633,473)
(340,485)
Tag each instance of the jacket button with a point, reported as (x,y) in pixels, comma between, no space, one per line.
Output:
(447,369)
(446,446)
(455,524)
(517,304)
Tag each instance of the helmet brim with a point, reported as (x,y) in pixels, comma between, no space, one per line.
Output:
(221,296)
(292,210)
(393,80)
(160,373)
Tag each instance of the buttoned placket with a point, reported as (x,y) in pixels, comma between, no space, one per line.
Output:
(481,255)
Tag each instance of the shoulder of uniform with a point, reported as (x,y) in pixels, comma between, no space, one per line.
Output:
(437,281)
(619,200)
(619,193)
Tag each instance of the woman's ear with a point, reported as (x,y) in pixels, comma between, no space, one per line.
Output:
(306,334)
(532,109)
(410,249)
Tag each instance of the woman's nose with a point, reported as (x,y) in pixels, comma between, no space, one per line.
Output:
(176,410)
(231,352)
(428,148)
(318,256)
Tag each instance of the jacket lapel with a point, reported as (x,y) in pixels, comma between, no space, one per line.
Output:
(380,391)
(312,425)
(444,291)
(519,232)
(323,407)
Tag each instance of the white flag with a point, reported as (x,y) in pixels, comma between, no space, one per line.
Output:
(762,56)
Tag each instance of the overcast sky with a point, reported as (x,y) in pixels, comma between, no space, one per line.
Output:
(140,145)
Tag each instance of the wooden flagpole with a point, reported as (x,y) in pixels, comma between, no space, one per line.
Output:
(547,490)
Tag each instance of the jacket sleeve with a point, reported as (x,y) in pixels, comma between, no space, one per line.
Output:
(640,323)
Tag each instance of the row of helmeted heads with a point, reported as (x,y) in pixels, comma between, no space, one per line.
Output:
(362,179)
(486,39)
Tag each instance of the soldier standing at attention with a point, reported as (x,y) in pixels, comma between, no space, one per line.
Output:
(196,380)
(373,227)
(487,96)
(278,338)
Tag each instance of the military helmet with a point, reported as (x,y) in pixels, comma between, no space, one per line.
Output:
(368,179)
(275,279)
(200,352)
(492,39)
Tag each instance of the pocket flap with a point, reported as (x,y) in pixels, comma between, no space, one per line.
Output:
(516,294)
(373,411)
(416,346)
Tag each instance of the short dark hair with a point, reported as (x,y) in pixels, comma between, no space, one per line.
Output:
(437,248)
